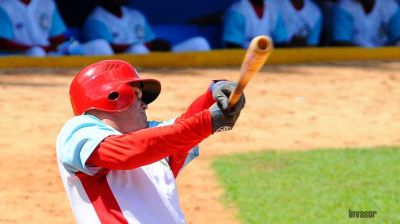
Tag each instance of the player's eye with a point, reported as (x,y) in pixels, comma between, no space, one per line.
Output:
(138,93)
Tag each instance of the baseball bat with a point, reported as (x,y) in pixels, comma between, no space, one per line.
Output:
(257,53)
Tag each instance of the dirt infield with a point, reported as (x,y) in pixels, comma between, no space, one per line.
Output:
(293,107)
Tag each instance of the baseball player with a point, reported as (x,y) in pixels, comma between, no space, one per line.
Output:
(247,19)
(366,23)
(128,31)
(303,22)
(116,166)
(35,28)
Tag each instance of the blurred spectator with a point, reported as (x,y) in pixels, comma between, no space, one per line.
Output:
(366,23)
(128,31)
(35,28)
(326,7)
(247,19)
(303,21)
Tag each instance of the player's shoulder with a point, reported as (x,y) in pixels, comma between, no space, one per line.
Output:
(132,12)
(312,5)
(97,12)
(239,5)
(48,2)
(388,5)
(313,8)
(81,122)
(347,4)
(83,127)
(83,119)
(43,4)
(8,3)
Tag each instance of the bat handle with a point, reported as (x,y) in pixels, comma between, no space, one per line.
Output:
(235,96)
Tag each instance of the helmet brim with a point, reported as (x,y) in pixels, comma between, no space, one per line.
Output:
(151,89)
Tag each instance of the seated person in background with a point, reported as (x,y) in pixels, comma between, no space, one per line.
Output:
(128,31)
(247,19)
(303,22)
(366,23)
(326,7)
(35,28)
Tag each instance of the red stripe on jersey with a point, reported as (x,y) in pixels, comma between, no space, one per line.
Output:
(102,198)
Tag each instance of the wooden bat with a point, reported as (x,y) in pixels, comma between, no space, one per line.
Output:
(257,53)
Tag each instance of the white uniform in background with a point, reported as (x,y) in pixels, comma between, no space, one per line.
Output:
(35,23)
(132,29)
(242,24)
(377,28)
(306,22)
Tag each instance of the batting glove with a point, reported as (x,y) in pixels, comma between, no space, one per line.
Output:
(224,118)
(221,90)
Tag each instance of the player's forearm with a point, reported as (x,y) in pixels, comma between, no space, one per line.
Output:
(149,145)
(177,160)
(10,45)
(55,42)
(120,48)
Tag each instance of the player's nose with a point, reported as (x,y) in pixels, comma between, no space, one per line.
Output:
(143,105)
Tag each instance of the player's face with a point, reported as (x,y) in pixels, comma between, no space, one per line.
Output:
(135,117)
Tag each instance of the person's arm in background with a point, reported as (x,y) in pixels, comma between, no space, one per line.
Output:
(233,34)
(343,28)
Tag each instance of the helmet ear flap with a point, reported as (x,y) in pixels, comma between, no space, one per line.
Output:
(122,97)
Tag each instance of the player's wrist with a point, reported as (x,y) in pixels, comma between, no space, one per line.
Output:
(223,119)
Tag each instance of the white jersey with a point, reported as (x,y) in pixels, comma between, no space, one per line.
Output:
(269,24)
(30,23)
(147,194)
(301,22)
(367,30)
(131,28)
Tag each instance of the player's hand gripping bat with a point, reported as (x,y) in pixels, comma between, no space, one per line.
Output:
(256,55)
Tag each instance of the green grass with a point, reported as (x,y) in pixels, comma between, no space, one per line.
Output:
(317,186)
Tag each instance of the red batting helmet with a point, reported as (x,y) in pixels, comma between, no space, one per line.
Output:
(106,86)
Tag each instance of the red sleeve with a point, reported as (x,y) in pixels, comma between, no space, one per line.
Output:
(177,160)
(135,149)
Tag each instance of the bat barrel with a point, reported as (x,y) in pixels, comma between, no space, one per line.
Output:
(262,43)
(257,53)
